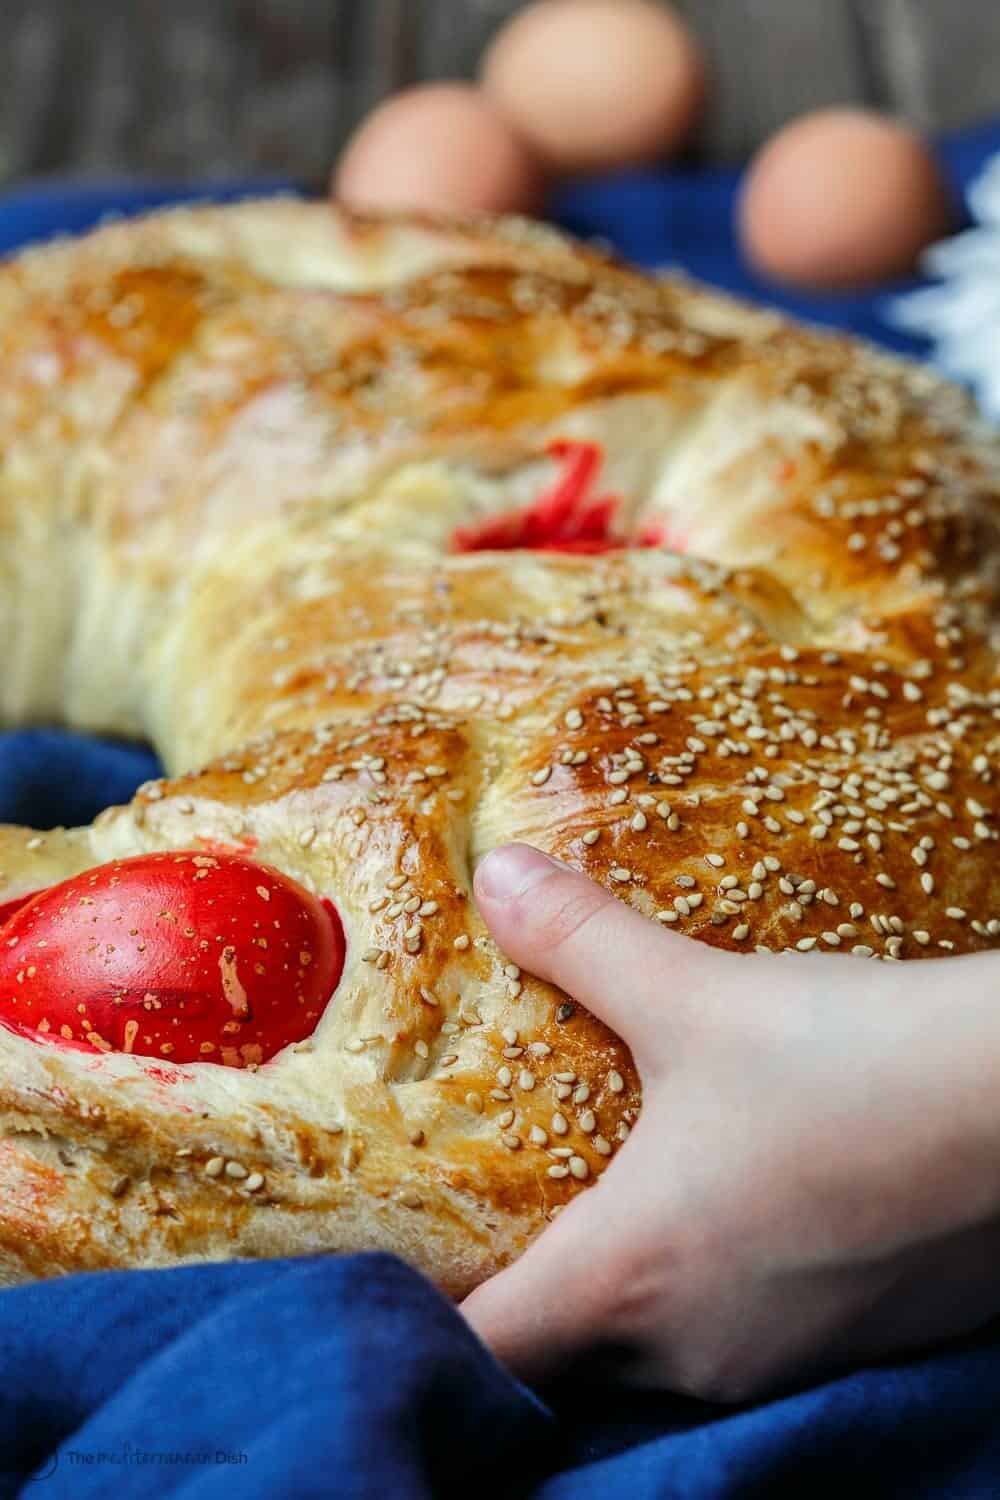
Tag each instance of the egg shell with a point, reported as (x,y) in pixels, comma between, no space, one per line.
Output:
(595,84)
(179,955)
(439,148)
(841,198)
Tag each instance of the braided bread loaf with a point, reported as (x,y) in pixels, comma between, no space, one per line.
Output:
(401,540)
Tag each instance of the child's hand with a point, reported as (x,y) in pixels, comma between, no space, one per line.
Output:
(815,1176)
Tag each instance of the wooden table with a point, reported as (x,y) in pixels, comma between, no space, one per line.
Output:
(199,88)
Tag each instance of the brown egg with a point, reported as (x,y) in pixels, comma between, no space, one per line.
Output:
(841,198)
(440,148)
(592,84)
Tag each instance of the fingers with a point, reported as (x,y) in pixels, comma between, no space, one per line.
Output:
(546,1308)
(565,928)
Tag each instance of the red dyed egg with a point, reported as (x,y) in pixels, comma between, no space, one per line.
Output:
(8,908)
(567,517)
(181,955)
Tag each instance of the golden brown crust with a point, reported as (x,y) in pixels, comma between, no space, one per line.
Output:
(236,447)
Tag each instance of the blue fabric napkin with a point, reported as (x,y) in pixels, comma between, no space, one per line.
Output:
(354,1377)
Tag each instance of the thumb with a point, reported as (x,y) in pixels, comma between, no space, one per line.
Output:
(563,927)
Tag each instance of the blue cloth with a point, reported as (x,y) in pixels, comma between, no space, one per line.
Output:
(353,1377)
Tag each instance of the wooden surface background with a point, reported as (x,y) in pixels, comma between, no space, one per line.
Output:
(198,88)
